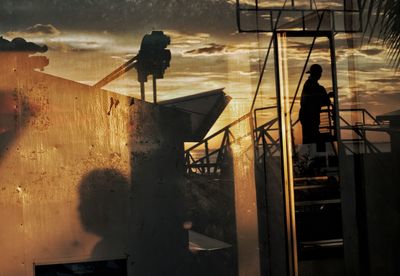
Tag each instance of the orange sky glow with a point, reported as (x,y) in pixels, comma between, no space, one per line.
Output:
(206,59)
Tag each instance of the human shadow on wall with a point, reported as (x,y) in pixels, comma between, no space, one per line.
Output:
(17,64)
(104,211)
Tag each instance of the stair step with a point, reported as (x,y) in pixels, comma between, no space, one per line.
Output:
(317,202)
(311,178)
(322,243)
(309,187)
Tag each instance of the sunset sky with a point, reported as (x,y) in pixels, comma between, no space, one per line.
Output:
(88,39)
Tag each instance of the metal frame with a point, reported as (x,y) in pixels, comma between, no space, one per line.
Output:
(262,135)
(206,163)
(256,8)
(270,145)
(361,129)
(286,135)
(273,14)
(291,253)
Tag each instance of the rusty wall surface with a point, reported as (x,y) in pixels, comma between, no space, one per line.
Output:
(83,178)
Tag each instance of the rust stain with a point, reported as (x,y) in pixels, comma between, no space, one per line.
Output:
(114,103)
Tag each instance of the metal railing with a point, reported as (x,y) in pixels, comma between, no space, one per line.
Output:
(266,135)
(258,17)
(202,158)
(359,129)
(211,160)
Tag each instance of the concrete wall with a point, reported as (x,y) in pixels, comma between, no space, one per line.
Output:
(272,216)
(242,150)
(82,181)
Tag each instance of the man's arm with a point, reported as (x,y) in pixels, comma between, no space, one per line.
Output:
(325,100)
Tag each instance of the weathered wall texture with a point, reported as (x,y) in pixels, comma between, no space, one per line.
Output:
(245,199)
(77,183)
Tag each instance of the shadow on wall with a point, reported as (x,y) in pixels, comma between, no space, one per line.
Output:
(16,62)
(104,210)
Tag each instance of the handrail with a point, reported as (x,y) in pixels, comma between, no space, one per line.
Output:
(362,110)
(203,163)
(356,128)
(262,135)
(259,109)
(219,131)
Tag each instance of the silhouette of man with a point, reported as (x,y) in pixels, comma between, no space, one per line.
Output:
(312,98)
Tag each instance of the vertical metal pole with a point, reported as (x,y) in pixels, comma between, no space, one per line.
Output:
(142,94)
(291,259)
(335,85)
(347,185)
(286,113)
(207,157)
(154,89)
(364,133)
(335,93)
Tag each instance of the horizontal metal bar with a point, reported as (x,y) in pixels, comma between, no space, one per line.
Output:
(202,165)
(284,31)
(311,178)
(208,155)
(264,108)
(312,187)
(302,33)
(295,10)
(333,12)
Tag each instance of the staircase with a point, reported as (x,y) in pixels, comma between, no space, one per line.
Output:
(317,203)
(316,174)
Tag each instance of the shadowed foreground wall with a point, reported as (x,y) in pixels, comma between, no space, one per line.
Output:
(82,181)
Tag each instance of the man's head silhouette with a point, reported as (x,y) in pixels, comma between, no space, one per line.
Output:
(315,71)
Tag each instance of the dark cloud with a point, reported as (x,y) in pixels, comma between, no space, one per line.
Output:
(372,52)
(210,49)
(20,45)
(386,80)
(121,15)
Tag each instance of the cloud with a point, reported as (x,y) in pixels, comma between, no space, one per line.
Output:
(47,29)
(122,16)
(35,30)
(372,51)
(386,80)
(80,42)
(246,73)
(214,49)
(182,39)
(68,41)
(210,49)
(49,34)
